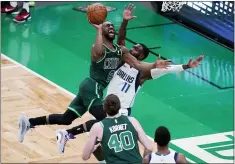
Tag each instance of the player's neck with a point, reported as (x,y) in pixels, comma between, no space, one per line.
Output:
(108,43)
(163,150)
(115,116)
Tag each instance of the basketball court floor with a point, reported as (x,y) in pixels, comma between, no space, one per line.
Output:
(43,62)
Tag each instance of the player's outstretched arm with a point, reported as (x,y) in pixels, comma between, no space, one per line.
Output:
(97,48)
(157,72)
(148,145)
(90,146)
(127,15)
(142,66)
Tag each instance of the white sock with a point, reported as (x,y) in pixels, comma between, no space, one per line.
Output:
(26,6)
(13,3)
(102,161)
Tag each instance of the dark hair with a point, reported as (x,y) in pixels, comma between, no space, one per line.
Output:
(112,105)
(162,136)
(146,51)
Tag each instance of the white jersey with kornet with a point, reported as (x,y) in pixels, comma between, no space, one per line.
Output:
(171,157)
(125,84)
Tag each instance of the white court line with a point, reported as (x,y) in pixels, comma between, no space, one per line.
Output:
(59,87)
(189,160)
(41,77)
(11,66)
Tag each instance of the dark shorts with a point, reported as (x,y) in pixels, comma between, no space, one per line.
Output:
(90,94)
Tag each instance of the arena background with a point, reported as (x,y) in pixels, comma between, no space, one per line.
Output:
(196,105)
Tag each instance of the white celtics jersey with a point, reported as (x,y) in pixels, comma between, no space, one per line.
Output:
(166,158)
(125,84)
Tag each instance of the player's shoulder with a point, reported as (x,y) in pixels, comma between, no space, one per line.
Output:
(97,126)
(93,45)
(135,123)
(132,119)
(124,49)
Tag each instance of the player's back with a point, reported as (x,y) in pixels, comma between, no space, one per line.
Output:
(171,157)
(120,141)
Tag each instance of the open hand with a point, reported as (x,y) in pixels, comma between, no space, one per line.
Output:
(128,11)
(162,63)
(194,63)
(96,25)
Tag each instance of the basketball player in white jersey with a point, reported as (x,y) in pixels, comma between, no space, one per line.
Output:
(163,154)
(127,81)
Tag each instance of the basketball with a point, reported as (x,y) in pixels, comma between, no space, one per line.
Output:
(96,13)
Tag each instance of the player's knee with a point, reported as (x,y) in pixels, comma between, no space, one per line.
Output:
(98,112)
(67,118)
(89,124)
(65,121)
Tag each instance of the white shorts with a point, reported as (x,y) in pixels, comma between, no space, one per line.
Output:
(123,112)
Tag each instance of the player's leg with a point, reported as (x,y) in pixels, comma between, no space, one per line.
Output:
(10,8)
(129,111)
(4,6)
(61,119)
(97,111)
(91,95)
(24,14)
(93,100)
(64,135)
(82,128)
(66,118)
(100,115)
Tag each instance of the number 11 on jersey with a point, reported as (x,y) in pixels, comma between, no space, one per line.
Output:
(125,87)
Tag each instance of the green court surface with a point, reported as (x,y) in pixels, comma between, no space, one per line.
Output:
(56,44)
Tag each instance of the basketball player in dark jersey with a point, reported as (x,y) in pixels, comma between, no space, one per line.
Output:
(105,56)
(118,136)
(140,52)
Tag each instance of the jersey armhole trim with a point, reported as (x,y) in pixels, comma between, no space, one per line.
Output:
(176,156)
(110,49)
(150,157)
(121,52)
(102,57)
(102,124)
